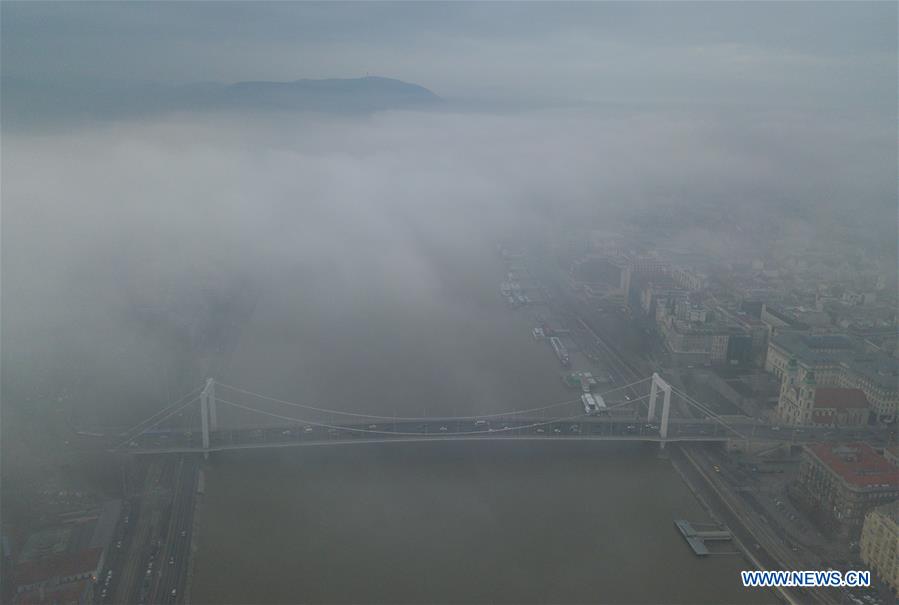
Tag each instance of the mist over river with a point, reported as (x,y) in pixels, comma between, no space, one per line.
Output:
(434,522)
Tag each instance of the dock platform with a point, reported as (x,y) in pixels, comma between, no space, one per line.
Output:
(697,538)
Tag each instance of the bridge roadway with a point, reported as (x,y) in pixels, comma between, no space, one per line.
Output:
(578,428)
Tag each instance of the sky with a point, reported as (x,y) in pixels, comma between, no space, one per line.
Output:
(837,54)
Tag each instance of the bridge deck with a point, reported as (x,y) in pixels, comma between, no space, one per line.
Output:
(186,449)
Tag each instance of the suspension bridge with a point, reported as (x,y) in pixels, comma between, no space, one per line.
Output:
(220,417)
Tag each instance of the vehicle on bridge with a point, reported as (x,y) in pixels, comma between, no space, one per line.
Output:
(590,407)
(593,404)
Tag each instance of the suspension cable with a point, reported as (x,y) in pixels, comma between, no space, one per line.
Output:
(407,418)
(158,422)
(704,408)
(162,411)
(380,432)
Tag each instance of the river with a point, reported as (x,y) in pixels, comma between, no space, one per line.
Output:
(452,522)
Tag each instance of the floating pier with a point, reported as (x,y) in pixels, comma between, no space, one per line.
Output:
(697,538)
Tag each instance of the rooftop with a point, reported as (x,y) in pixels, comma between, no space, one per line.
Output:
(69,564)
(857,464)
(596,270)
(814,349)
(65,594)
(890,511)
(785,317)
(827,342)
(880,369)
(828,397)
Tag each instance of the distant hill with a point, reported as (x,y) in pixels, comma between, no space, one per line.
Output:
(33,103)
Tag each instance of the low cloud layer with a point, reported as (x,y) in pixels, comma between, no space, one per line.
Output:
(97,221)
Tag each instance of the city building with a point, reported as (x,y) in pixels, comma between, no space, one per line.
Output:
(777,320)
(598,277)
(805,403)
(57,570)
(692,337)
(859,298)
(688,279)
(880,543)
(833,406)
(59,563)
(892,454)
(838,361)
(816,353)
(72,593)
(645,267)
(754,328)
(846,481)
(660,289)
(814,319)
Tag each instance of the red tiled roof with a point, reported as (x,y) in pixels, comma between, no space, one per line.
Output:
(68,564)
(858,464)
(830,397)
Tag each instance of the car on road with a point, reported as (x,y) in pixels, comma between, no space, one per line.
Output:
(443,429)
(541,430)
(171,560)
(183,533)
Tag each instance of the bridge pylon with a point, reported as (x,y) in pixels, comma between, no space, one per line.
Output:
(213,418)
(208,413)
(660,385)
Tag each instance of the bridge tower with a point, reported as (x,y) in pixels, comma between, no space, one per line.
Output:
(213,418)
(208,415)
(660,385)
